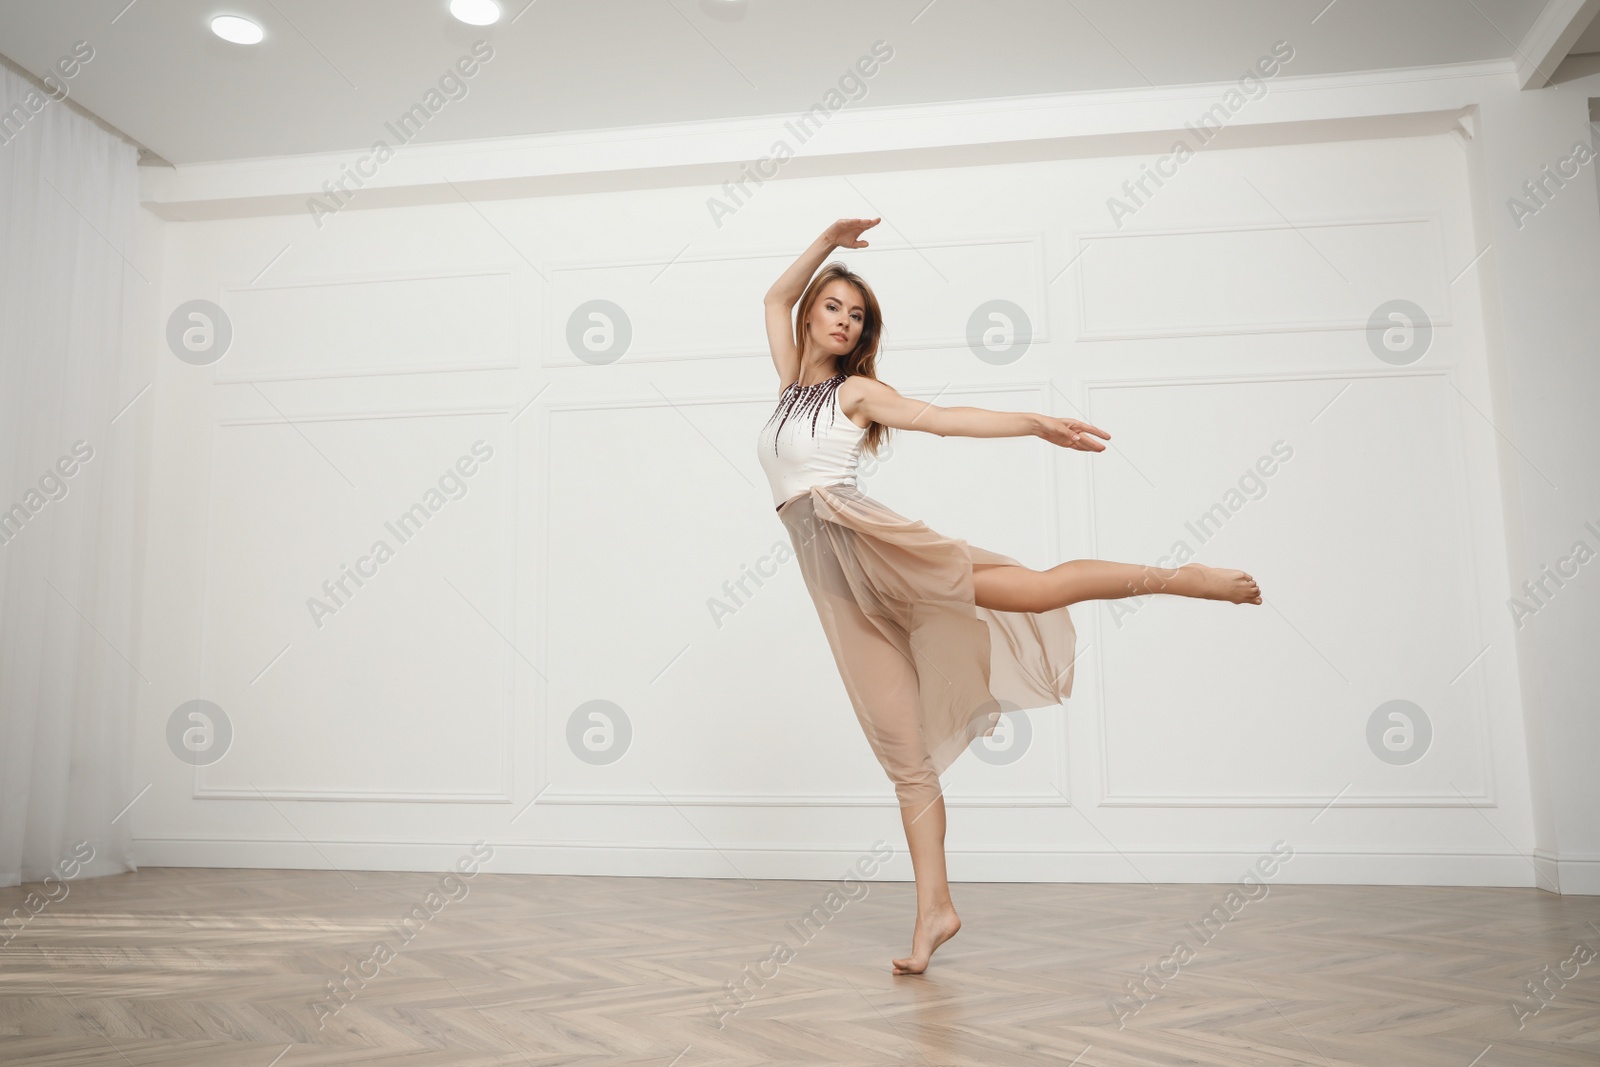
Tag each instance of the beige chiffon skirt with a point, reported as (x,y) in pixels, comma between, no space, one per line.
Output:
(926,669)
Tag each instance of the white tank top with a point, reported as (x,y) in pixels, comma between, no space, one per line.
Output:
(809,440)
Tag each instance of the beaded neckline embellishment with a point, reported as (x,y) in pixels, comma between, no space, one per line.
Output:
(799,399)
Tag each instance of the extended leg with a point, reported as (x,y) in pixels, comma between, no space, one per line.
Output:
(1004,588)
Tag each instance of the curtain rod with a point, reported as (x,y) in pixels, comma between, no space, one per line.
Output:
(147,156)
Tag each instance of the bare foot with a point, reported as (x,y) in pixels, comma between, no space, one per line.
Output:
(1218,583)
(933,930)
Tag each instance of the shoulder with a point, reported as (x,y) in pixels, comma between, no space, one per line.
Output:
(857,386)
(857,389)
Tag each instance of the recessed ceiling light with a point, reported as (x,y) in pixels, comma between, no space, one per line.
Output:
(235,29)
(476,12)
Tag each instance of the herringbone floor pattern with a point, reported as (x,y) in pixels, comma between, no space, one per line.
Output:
(232,968)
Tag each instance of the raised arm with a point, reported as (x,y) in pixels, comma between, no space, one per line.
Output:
(791,285)
(865,399)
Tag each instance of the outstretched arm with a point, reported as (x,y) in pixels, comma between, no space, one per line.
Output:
(879,402)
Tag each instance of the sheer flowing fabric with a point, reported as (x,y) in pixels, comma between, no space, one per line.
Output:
(77,346)
(926,669)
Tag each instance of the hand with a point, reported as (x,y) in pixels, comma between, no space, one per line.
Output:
(1070,433)
(846,233)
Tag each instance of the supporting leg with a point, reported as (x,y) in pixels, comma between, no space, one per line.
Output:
(1005,588)
(885,685)
(937,921)
(884,691)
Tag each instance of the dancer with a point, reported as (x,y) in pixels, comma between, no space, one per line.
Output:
(933,637)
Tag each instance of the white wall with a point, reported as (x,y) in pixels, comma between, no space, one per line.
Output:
(1227,315)
(1547,269)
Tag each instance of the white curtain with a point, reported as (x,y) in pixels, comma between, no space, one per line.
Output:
(74,294)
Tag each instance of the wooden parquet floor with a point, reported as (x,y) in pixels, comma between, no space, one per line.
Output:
(232,968)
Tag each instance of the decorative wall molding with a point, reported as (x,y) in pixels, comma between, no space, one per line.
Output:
(503,791)
(1110,798)
(1089,264)
(236,297)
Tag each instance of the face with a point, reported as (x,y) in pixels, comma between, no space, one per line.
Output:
(836,318)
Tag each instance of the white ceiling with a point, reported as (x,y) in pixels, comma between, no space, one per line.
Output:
(331,73)
(1589,41)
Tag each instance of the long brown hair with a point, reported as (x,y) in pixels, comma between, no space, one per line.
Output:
(863,359)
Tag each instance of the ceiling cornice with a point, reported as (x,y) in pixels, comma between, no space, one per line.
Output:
(713,152)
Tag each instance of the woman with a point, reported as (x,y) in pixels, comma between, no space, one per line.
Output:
(933,637)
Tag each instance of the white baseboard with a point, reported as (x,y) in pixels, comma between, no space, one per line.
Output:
(1580,875)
